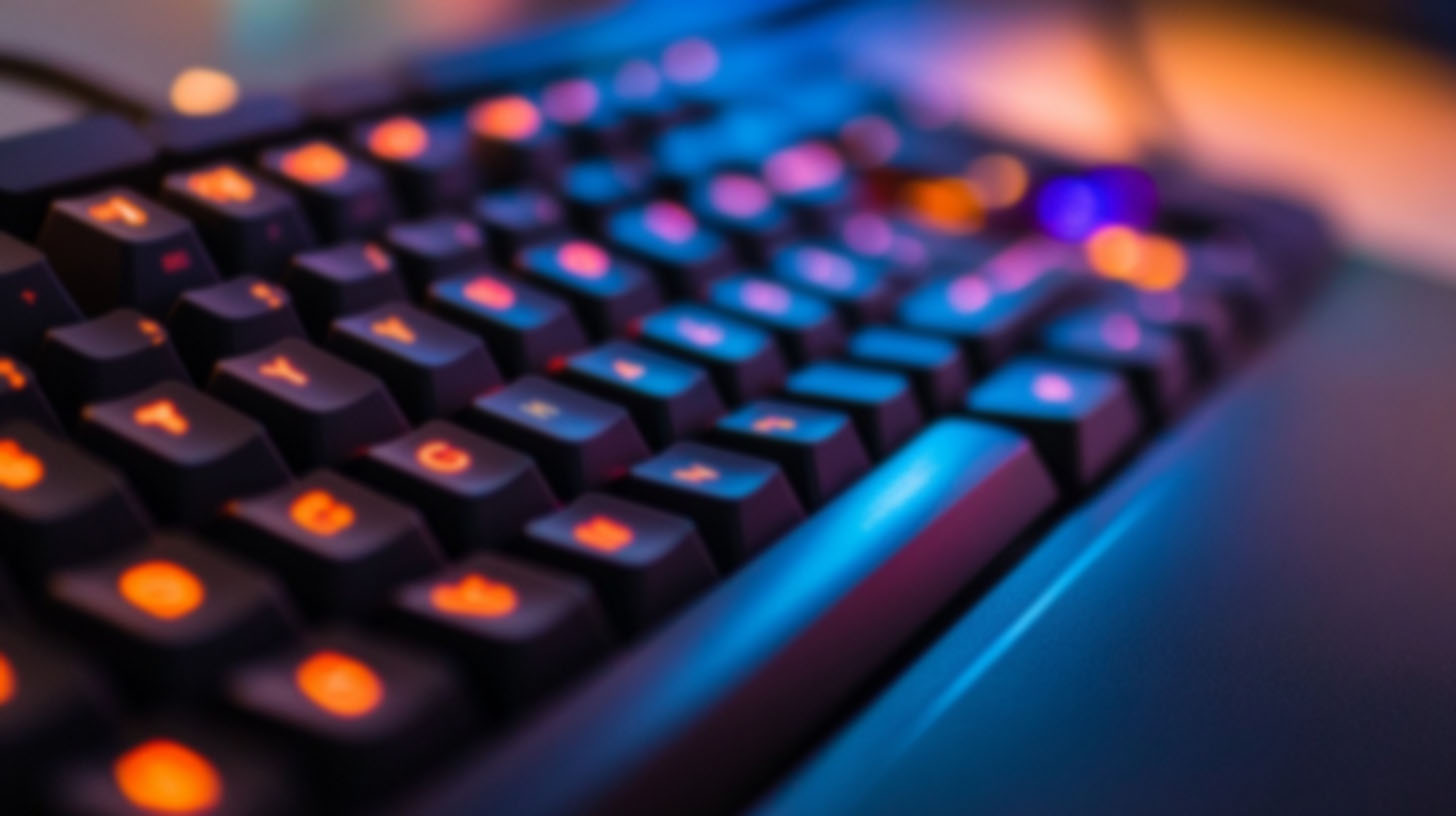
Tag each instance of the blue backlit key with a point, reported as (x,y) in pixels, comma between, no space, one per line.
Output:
(517,217)
(250,225)
(1152,358)
(744,360)
(608,293)
(582,108)
(1202,321)
(934,365)
(21,397)
(31,297)
(109,356)
(427,162)
(596,188)
(666,237)
(437,247)
(856,286)
(526,329)
(580,441)
(881,403)
(231,318)
(341,280)
(805,326)
(744,209)
(669,399)
(432,367)
(344,196)
(1081,419)
(811,178)
(818,449)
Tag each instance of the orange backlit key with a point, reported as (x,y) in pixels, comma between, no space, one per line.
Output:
(236,317)
(30,297)
(250,224)
(644,563)
(512,141)
(110,356)
(341,280)
(344,196)
(521,629)
(427,162)
(48,705)
(21,397)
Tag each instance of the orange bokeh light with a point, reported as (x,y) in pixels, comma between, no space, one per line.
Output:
(1150,262)
(321,513)
(603,534)
(315,163)
(511,118)
(162,414)
(19,468)
(475,596)
(202,91)
(10,373)
(119,209)
(223,184)
(162,589)
(945,204)
(339,684)
(999,179)
(7,680)
(165,776)
(440,456)
(398,138)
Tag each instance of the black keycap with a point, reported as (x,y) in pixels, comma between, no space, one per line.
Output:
(338,545)
(172,616)
(474,493)
(49,706)
(21,397)
(109,356)
(810,177)
(818,449)
(90,152)
(116,248)
(740,503)
(669,399)
(644,563)
(31,298)
(186,452)
(228,319)
(433,248)
(512,142)
(250,225)
(582,109)
(59,505)
(432,367)
(642,99)
(933,364)
(1202,322)
(427,161)
(340,281)
(882,403)
(608,293)
(516,218)
(344,196)
(1081,419)
(525,328)
(1152,359)
(362,712)
(521,629)
(805,326)
(744,360)
(594,189)
(318,408)
(855,286)
(580,441)
(741,206)
(666,237)
(252,119)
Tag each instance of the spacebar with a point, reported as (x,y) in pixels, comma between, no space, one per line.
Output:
(708,708)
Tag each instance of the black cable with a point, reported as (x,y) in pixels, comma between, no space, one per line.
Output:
(50,74)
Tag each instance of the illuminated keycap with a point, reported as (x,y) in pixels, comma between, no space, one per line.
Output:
(934,365)
(231,318)
(19,468)
(818,449)
(439,456)
(881,403)
(119,353)
(31,297)
(1155,364)
(223,184)
(344,197)
(399,137)
(339,684)
(665,237)
(20,398)
(857,287)
(321,513)
(593,189)
(516,218)
(474,596)
(162,414)
(806,326)
(512,141)
(668,398)
(7,679)
(161,589)
(608,293)
(511,118)
(165,776)
(744,360)
(282,368)
(526,328)
(436,247)
(427,161)
(328,284)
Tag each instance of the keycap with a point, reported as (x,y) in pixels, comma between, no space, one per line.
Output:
(231,318)
(579,441)
(31,297)
(39,165)
(341,280)
(1152,359)
(594,189)
(171,616)
(654,722)
(525,328)
(116,248)
(59,505)
(907,254)
(934,365)
(583,110)
(1081,419)
(475,493)
(250,225)
(743,360)
(855,286)
(806,327)
(437,247)
(609,294)
(110,356)
(253,118)
(669,399)
(810,177)
(319,409)
(819,450)
(643,100)
(348,703)
(50,703)
(21,397)
(739,503)
(432,367)
(345,197)
(186,452)
(666,237)
(521,629)
(338,545)
(512,142)
(986,318)
(517,217)
(1202,323)
(744,209)
(643,563)
(426,161)
(882,403)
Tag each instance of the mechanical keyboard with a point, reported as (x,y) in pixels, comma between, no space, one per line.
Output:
(586,436)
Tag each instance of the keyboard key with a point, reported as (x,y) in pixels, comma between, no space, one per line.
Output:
(1082,420)
(934,365)
(110,356)
(474,493)
(579,441)
(171,616)
(39,165)
(186,452)
(433,368)
(338,545)
(907,255)
(855,286)
(986,318)
(1202,322)
(1152,359)
(810,177)
(521,629)
(250,225)
(49,705)
(512,142)
(668,399)
(740,503)
(583,110)
(345,197)
(644,563)
(610,295)
(21,398)
(594,189)
(805,326)
(744,209)
(318,408)
(434,248)
(516,218)
(116,248)
(743,360)
(427,162)
(232,318)
(340,281)
(31,298)
(525,328)
(59,505)
(251,119)
(881,403)
(818,449)
(666,237)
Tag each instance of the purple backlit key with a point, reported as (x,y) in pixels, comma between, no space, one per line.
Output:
(856,286)
(667,238)
(744,360)
(805,326)
(1152,359)
(608,293)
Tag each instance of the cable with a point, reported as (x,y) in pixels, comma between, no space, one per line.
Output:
(79,85)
